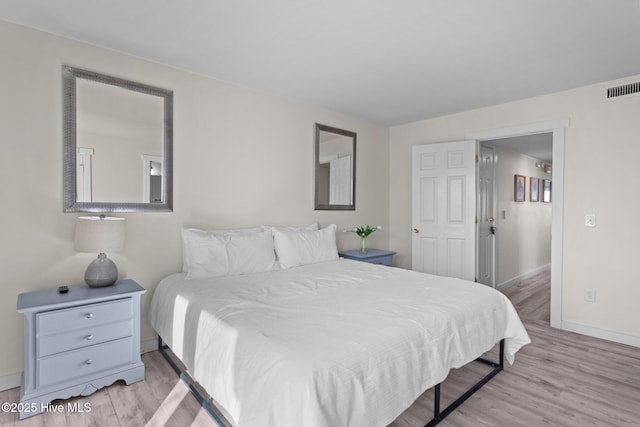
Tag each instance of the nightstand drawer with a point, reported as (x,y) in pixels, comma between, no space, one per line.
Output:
(384,260)
(372,256)
(81,317)
(78,338)
(63,367)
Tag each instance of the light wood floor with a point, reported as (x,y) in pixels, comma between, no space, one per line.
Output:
(560,379)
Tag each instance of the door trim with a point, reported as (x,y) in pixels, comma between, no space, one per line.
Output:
(557,127)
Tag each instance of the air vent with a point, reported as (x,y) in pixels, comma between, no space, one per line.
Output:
(622,90)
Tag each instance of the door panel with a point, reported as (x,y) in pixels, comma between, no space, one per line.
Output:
(443,209)
(486,216)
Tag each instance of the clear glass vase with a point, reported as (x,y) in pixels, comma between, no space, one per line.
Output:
(363,244)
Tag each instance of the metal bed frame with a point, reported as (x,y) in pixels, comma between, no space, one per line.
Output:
(438,415)
(441,415)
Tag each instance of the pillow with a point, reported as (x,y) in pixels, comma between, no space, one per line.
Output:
(190,235)
(310,227)
(296,248)
(213,255)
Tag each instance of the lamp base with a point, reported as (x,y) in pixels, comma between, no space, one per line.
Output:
(101,272)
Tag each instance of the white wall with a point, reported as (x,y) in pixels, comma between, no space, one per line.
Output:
(523,237)
(241,158)
(601,158)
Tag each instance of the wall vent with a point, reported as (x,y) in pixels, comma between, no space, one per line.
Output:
(622,90)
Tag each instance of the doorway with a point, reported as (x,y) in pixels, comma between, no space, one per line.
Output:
(557,130)
(514,233)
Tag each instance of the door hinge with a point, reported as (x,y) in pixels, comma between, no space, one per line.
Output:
(477,159)
(476,219)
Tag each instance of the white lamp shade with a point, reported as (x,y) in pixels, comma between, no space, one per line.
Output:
(99,234)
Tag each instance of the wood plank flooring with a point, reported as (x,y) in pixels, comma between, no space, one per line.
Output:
(560,379)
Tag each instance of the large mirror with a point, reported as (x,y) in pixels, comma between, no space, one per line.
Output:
(117,144)
(335,168)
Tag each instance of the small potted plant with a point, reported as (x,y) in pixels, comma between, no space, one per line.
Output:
(363,232)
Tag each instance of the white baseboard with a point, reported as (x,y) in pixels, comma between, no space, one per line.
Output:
(516,280)
(9,381)
(600,333)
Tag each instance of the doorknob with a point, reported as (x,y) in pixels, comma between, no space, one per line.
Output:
(416,230)
(491,219)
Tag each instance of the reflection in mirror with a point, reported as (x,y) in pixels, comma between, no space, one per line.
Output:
(335,154)
(118,144)
(152,174)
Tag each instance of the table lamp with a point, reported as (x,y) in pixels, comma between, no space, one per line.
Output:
(100,234)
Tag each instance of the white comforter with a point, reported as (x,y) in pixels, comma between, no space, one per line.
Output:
(340,343)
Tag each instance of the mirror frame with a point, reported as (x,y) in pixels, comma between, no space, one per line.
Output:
(328,207)
(69,76)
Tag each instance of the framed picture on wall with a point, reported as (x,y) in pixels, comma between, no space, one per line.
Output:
(519,187)
(533,189)
(546,191)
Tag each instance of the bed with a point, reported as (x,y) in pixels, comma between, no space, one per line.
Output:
(327,343)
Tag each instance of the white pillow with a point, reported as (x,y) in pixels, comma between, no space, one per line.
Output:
(194,235)
(296,248)
(212,255)
(310,227)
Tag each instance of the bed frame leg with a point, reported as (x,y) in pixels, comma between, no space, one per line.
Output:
(441,415)
(436,403)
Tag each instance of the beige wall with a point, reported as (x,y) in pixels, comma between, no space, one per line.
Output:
(601,157)
(242,158)
(523,237)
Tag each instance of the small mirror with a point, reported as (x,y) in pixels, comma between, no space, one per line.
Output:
(117,144)
(335,169)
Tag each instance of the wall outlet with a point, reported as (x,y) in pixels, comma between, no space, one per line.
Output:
(590,220)
(590,295)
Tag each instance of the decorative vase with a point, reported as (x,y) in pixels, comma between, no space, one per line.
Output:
(363,244)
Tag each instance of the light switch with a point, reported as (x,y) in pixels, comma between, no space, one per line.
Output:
(590,220)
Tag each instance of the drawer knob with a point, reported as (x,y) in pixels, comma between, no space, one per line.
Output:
(89,337)
(88,362)
(89,315)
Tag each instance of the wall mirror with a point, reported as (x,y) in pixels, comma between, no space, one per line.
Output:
(335,169)
(118,144)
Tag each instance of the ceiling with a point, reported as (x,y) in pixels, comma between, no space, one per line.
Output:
(538,146)
(388,62)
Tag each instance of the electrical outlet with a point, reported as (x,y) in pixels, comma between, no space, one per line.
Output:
(590,220)
(590,295)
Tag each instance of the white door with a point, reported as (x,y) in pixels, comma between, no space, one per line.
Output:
(486,216)
(444,209)
(83,174)
(340,181)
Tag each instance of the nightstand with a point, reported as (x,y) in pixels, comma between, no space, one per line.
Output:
(78,342)
(373,256)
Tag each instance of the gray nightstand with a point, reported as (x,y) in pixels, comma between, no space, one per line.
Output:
(373,256)
(78,342)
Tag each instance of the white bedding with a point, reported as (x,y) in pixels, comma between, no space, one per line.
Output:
(340,343)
